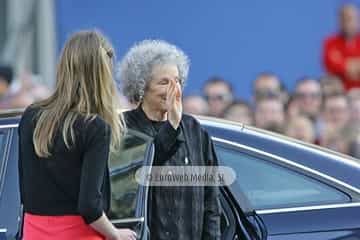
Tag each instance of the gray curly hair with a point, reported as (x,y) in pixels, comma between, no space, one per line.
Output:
(136,67)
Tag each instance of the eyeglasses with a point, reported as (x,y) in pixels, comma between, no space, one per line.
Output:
(312,95)
(267,93)
(218,97)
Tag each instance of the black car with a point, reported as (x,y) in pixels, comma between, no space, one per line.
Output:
(284,190)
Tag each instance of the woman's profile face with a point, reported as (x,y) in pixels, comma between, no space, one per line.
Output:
(155,93)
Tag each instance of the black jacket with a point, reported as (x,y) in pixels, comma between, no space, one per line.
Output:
(180,212)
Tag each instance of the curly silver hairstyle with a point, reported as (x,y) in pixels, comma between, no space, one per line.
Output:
(136,67)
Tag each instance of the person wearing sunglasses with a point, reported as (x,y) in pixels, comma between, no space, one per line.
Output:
(219,95)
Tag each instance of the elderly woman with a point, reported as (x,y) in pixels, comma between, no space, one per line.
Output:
(153,74)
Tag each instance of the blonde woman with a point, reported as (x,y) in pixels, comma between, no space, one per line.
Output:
(64,147)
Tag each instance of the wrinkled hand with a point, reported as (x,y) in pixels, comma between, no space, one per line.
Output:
(125,234)
(174,104)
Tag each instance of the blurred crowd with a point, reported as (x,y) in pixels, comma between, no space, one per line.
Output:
(318,111)
(19,91)
(322,110)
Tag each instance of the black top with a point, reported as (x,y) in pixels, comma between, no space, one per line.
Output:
(180,212)
(71,181)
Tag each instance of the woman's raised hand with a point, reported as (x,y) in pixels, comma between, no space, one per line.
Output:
(174,104)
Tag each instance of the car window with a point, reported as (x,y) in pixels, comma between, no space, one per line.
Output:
(123,165)
(2,147)
(268,185)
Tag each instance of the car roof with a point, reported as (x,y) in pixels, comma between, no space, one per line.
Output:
(326,161)
(10,116)
(237,126)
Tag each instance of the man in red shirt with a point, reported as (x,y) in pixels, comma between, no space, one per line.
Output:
(341,54)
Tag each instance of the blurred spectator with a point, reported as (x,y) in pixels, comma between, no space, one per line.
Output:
(344,140)
(336,111)
(302,128)
(354,101)
(341,52)
(10,91)
(267,85)
(269,114)
(330,85)
(219,94)
(335,139)
(308,97)
(195,105)
(239,111)
(21,92)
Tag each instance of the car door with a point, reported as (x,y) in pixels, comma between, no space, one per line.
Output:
(129,199)
(291,202)
(238,221)
(10,212)
(128,196)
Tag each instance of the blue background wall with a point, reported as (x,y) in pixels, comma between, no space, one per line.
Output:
(235,39)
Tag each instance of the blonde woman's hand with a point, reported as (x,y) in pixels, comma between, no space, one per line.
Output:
(124,234)
(174,104)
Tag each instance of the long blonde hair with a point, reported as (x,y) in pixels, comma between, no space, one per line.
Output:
(85,86)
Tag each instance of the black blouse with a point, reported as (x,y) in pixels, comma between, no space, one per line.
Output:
(71,181)
(178,212)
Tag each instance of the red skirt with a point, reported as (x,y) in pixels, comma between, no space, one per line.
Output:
(72,227)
